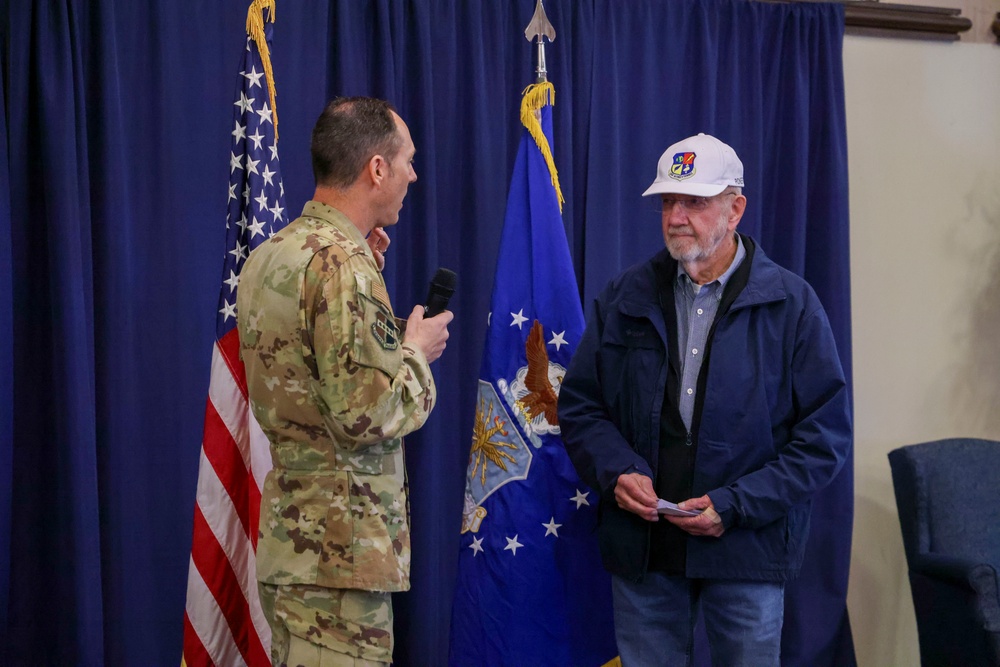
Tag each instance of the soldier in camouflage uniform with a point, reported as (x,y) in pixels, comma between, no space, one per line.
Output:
(335,382)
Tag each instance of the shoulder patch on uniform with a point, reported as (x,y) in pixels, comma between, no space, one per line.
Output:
(385,331)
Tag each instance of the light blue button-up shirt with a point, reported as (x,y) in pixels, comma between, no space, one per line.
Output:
(696,307)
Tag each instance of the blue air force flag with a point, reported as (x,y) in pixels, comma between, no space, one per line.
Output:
(530,589)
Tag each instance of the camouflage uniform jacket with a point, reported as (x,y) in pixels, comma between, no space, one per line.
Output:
(334,389)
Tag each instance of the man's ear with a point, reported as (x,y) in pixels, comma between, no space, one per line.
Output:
(377,169)
(736,212)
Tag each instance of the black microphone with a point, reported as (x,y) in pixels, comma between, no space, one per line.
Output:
(440,291)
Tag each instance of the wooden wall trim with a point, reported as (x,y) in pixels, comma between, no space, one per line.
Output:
(868,17)
(884,19)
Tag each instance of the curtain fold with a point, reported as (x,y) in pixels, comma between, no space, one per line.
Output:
(6,360)
(116,118)
(55,541)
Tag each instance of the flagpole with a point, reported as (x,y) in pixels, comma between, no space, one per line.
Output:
(540,27)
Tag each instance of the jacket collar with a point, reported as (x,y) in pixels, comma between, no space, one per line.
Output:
(331,216)
(758,278)
(758,281)
(764,284)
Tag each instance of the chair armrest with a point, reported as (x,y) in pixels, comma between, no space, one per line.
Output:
(980,578)
(952,569)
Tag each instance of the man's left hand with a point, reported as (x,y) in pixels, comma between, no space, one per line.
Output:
(708,523)
(378,241)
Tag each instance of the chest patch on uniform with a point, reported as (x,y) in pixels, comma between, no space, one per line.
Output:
(385,331)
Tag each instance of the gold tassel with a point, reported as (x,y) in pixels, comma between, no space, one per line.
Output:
(534,98)
(255,28)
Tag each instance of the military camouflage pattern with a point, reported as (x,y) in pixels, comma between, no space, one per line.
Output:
(334,389)
(309,619)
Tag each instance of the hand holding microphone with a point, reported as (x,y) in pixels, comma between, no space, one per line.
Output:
(427,326)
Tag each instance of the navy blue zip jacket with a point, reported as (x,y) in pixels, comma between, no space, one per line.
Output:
(772,419)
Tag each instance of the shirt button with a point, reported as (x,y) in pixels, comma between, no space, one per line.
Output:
(690,391)
(694,351)
(701,312)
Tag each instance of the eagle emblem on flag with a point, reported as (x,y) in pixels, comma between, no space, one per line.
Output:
(534,391)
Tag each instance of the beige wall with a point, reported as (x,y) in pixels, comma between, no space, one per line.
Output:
(923,121)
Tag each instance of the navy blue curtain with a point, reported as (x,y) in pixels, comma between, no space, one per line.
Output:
(116,120)
(6,361)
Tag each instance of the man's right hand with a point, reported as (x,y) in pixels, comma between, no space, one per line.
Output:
(634,493)
(428,335)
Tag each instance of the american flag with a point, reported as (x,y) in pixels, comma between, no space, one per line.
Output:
(223,621)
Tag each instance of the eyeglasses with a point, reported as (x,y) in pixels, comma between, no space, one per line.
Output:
(690,204)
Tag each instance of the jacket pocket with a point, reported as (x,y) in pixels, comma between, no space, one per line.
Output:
(632,357)
(295,526)
(373,529)
(623,538)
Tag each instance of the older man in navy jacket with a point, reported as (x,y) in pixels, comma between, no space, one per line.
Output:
(708,377)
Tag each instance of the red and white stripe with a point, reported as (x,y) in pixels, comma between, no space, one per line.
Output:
(223,621)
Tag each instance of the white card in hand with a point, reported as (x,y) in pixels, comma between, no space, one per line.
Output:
(667,507)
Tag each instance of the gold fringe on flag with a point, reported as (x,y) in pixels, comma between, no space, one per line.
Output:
(255,28)
(534,98)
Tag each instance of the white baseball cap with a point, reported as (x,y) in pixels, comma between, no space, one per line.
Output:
(701,166)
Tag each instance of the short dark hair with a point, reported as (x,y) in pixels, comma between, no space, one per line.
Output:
(349,132)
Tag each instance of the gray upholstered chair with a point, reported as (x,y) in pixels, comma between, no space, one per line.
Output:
(948,496)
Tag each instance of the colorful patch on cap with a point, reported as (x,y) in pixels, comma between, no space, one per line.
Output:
(385,331)
(683,166)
